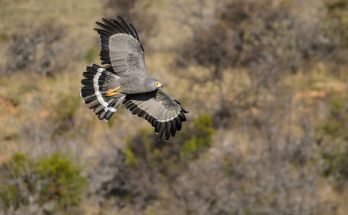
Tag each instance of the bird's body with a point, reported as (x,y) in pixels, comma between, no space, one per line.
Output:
(143,85)
(124,80)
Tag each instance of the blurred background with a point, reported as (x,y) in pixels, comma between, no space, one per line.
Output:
(265,82)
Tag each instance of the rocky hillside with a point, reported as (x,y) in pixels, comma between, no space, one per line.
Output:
(266,84)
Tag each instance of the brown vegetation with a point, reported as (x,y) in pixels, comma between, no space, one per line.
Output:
(265,81)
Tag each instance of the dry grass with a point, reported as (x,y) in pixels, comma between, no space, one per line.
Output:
(35,119)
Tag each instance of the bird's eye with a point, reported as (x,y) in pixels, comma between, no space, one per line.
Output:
(158,84)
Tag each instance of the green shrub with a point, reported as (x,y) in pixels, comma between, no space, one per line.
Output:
(335,126)
(130,157)
(66,108)
(141,147)
(198,137)
(338,17)
(146,149)
(54,180)
(64,112)
(17,168)
(10,197)
(333,131)
(336,164)
(3,37)
(62,180)
(19,163)
(146,162)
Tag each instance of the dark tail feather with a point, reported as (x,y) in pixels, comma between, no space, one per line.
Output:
(93,94)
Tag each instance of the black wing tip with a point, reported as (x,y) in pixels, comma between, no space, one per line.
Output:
(182,109)
(120,18)
(106,20)
(109,26)
(163,130)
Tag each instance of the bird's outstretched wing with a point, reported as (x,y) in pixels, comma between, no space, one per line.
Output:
(121,48)
(163,112)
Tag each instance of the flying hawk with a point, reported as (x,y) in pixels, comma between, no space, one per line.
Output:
(123,79)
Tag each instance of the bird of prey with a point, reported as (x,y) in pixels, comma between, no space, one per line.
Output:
(123,80)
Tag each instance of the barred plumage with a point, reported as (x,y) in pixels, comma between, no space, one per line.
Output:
(123,79)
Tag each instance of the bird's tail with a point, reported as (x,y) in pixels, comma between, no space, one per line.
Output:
(94,92)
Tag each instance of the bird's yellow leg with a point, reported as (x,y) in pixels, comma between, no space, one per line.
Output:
(113,92)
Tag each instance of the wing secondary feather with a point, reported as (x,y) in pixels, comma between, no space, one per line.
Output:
(121,48)
(161,111)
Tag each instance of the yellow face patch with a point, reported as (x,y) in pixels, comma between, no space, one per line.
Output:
(158,84)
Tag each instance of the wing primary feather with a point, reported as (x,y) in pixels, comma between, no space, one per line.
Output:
(167,130)
(102,32)
(172,127)
(105,27)
(134,31)
(153,121)
(150,120)
(128,30)
(177,101)
(178,123)
(160,110)
(114,24)
(162,130)
(123,30)
(182,117)
(108,22)
(157,127)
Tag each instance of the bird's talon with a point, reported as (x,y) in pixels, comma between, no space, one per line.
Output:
(112,92)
